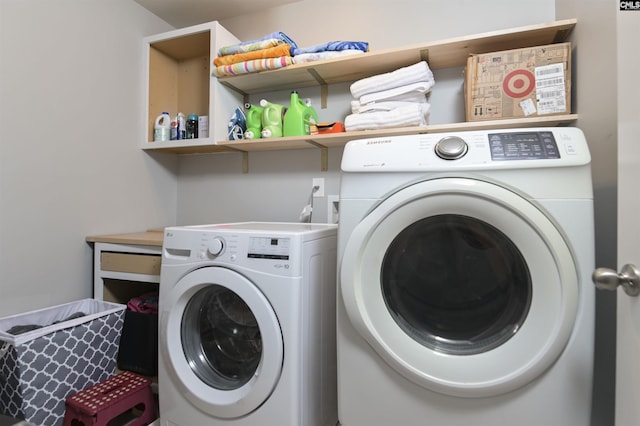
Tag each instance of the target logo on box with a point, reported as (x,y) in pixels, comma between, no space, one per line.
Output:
(518,84)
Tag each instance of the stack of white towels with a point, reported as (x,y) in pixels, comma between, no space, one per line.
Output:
(393,99)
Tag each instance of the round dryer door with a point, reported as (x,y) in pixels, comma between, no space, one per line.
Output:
(222,342)
(462,286)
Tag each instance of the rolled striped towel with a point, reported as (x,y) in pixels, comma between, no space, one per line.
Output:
(271,52)
(255,65)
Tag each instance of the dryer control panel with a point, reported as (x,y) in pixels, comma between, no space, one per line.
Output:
(549,147)
(529,145)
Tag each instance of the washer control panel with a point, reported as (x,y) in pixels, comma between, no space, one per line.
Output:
(269,248)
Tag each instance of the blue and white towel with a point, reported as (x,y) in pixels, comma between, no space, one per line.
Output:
(332,46)
(239,47)
(319,56)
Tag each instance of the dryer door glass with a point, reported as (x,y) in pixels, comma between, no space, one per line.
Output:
(221,338)
(456,284)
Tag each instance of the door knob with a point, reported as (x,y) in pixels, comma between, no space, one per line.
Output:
(608,279)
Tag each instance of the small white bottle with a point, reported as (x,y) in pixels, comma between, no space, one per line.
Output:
(162,127)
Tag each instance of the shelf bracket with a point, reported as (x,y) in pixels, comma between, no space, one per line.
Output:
(324,93)
(324,90)
(324,155)
(324,159)
(424,55)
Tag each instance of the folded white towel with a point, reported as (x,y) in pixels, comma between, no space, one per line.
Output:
(413,115)
(419,72)
(409,92)
(356,107)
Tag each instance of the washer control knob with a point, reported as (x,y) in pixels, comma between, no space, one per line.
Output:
(451,148)
(215,246)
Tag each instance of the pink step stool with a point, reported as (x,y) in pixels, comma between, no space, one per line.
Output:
(103,402)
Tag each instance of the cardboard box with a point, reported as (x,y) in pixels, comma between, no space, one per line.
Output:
(518,83)
(203,126)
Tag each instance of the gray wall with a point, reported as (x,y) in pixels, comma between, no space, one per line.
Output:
(71,117)
(595,60)
(71,114)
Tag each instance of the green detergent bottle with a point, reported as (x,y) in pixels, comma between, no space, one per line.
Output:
(298,118)
(254,121)
(272,119)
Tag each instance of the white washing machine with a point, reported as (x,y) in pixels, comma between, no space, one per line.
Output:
(247,325)
(465,295)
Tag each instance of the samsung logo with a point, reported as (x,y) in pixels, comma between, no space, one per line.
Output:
(378,142)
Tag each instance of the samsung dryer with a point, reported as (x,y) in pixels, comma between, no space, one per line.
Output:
(464,279)
(247,325)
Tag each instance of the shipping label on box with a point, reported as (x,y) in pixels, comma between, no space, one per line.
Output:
(528,82)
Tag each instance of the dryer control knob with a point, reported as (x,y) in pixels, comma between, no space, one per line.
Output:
(215,246)
(451,148)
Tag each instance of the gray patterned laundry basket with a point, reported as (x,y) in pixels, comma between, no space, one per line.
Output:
(57,352)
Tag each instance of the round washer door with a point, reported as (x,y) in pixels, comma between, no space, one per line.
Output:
(221,342)
(462,286)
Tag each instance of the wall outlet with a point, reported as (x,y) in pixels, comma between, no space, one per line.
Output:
(333,208)
(319,182)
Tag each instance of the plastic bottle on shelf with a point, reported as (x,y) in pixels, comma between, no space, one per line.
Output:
(254,121)
(162,127)
(299,117)
(182,126)
(174,129)
(192,126)
(272,119)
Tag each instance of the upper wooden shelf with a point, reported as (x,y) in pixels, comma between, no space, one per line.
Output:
(440,54)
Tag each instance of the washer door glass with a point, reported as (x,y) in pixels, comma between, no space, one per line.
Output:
(456,284)
(462,286)
(220,341)
(221,338)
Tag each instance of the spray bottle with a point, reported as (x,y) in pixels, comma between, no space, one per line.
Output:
(272,119)
(299,116)
(254,121)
